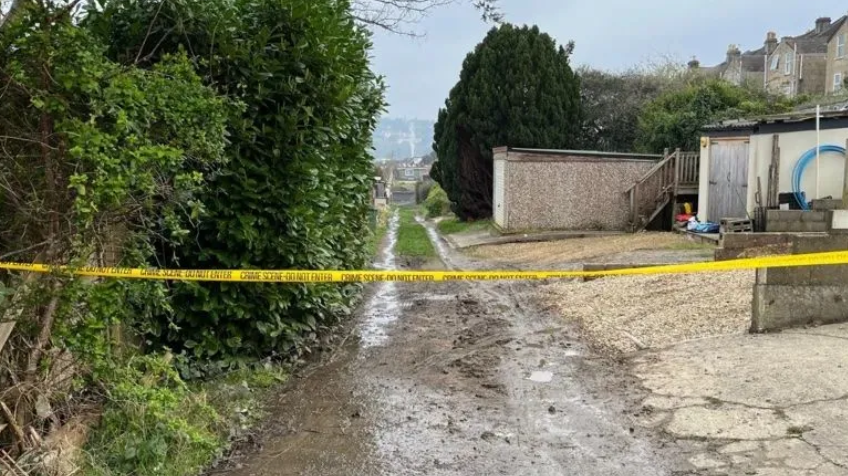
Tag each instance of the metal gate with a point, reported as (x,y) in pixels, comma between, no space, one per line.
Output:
(728,191)
(499,198)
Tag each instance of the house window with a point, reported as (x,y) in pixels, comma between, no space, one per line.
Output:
(775,62)
(787,90)
(840,46)
(789,65)
(409,172)
(837,81)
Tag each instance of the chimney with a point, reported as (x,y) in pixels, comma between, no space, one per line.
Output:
(732,53)
(822,24)
(771,42)
(694,63)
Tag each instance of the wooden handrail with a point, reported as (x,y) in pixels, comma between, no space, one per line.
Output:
(651,191)
(650,173)
(688,168)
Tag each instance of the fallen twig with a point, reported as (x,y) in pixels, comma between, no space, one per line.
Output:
(11,464)
(639,344)
(13,424)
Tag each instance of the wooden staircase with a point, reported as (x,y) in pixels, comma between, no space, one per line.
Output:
(659,187)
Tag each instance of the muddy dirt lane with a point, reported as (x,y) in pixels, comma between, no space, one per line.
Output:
(458,379)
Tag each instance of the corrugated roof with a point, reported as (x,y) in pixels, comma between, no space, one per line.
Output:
(791,117)
(731,124)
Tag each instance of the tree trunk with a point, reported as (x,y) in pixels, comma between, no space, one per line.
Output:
(14,10)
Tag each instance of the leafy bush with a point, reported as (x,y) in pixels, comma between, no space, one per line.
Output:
(295,192)
(100,161)
(437,203)
(675,118)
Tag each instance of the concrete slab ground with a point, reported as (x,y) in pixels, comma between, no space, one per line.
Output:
(774,404)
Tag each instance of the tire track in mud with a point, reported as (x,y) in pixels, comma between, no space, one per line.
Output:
(457,379)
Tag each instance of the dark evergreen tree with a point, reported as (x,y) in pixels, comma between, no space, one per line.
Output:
(517,89)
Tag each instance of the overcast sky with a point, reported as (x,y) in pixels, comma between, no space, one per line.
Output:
(609,34)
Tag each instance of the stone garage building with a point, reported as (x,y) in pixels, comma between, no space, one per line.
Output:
(537,190)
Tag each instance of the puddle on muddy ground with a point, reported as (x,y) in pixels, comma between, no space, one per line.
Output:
(437,241)
(541,376)
(382,308)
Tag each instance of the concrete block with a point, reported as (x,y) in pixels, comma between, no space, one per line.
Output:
(799,276)
(796,226)
(815,227)
(777,226)
(781,307)
(819,243)
(775,307)
(833,275)
(813,216)
(827,204)
(784,215)
(753,240)
(840,220)
(834,303)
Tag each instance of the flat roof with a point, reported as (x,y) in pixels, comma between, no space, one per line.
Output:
(787,122)
(584,153)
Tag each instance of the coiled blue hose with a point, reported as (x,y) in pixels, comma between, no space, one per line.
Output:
(803,162)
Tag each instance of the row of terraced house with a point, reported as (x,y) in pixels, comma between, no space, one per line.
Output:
(812,63)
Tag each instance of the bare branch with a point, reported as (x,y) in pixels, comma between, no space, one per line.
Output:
(398,16)
(149,30)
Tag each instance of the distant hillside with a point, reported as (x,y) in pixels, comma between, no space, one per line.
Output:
(402,138)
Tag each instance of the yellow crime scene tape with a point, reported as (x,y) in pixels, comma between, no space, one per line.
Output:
(302,276)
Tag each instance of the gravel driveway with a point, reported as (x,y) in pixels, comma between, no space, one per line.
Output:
(624,314)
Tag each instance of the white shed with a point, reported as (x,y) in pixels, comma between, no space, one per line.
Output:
(740,157)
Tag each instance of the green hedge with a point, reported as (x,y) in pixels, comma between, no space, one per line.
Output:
(295,192)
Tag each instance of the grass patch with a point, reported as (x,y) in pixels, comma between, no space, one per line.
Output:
(450,226)
(412,239)
(379,232)
(154,423)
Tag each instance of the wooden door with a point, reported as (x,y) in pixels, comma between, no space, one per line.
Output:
(728,191)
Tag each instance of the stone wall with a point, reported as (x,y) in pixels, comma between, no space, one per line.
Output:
(802,296)
(814,76)
(835,64)
(570,192)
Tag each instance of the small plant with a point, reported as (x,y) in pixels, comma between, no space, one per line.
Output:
(152,422)
(155,423)
(437,203)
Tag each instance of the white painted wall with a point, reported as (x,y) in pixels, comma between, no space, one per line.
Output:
(792,146)
(704,180)
(499,189)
